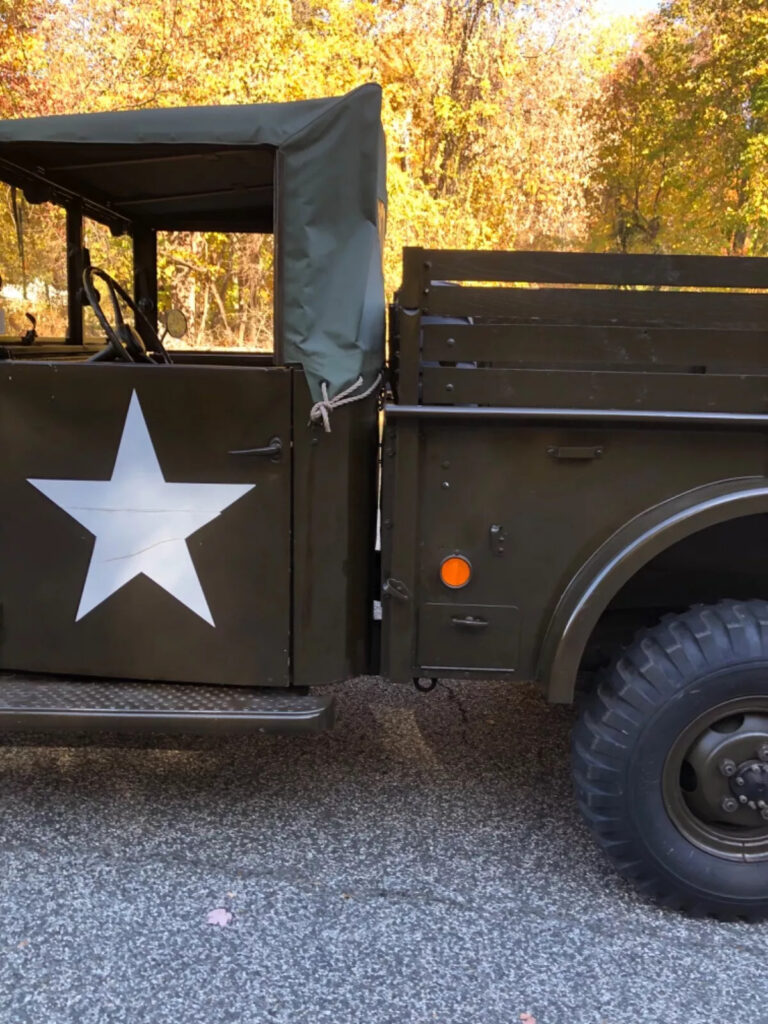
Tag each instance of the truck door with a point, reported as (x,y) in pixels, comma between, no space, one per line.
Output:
(145,527)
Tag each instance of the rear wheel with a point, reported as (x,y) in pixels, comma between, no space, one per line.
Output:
(671,761)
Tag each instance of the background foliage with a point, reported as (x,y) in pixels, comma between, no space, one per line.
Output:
(510,124)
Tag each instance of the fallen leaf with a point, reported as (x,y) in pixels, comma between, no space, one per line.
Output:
(221,916)
(527,1018)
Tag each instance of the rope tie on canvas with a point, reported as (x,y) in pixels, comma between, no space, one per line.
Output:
(321,411)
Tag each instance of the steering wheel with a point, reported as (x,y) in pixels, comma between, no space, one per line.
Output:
(124,341)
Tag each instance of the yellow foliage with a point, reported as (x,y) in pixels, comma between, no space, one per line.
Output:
(510,124)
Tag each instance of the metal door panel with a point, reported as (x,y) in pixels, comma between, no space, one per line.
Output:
(469,636)
(66,423)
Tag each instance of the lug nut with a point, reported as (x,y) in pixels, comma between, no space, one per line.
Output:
(742,799)
(764,814)
(727,767)
(763,752)
(729,805)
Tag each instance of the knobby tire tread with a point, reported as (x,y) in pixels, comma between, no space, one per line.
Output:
(660,662)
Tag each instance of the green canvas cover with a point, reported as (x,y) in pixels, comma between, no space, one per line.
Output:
(318,164)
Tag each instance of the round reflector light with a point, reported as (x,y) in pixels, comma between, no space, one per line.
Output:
(455,571)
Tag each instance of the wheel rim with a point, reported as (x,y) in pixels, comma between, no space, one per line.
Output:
(715,780)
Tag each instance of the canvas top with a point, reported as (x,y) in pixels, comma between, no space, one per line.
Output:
(312,171)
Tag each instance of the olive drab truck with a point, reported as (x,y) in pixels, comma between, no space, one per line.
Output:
(564,456)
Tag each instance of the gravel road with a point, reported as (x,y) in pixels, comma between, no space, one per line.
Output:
(422,863)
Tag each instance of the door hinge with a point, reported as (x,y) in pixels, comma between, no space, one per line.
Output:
(496,538)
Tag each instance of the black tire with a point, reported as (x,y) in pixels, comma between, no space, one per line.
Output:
(635,744)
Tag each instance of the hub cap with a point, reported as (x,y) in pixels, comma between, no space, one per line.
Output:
(715,780)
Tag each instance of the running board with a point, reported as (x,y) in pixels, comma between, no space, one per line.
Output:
(49,704)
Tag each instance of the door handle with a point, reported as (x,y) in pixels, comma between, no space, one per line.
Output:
(272,451)
(576,452)
(469,622)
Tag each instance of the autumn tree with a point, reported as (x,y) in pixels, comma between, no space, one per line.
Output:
(483,104)
(23,82)
(682,131)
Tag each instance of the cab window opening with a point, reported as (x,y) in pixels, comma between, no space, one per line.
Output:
(222,282)
(224,285)
(33,269)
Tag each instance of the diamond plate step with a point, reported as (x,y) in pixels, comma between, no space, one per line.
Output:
(44,703)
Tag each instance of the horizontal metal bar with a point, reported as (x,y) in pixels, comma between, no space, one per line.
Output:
(100,210)
(469,673)
(597,306)
(658,416)
(183,197)
(678,271)
(213,152)
(603,388)
(603,345)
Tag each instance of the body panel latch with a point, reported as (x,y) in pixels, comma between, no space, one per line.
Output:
(576,452)
(395,588)
(496,538)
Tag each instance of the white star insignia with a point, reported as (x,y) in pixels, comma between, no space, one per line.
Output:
(140,521)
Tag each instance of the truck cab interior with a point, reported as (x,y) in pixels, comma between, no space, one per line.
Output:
(137,191)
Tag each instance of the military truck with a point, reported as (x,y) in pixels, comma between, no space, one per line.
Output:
(564,454)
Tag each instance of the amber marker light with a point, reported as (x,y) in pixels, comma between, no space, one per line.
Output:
(455,571)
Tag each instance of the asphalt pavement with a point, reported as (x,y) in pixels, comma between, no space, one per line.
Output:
(422,863)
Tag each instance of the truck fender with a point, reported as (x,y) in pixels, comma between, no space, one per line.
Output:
(616,561)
